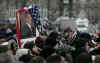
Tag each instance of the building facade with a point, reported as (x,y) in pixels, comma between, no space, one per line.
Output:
(8,8)
(52,9)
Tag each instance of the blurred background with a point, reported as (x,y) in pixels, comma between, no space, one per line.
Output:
(54,11)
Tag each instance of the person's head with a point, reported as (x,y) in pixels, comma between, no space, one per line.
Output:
(37,59)
(56,59)
(52,43)
(39,42)
(85,35)
(67,31)
(53,34)
(51,46)
(81,43)
(12,46)
(4,58)
(28,18)
(3,48)
(25,58)
(2,39)
(31,45)
(84,58)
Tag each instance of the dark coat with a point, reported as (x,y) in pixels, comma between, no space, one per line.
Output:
(27,32)
(77,52)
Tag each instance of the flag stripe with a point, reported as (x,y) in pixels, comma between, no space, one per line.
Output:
(18,30)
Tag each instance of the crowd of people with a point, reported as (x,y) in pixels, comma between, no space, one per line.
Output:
(67,47)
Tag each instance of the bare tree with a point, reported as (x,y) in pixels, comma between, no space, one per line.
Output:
(61,7)
(55,9)
(70,8)
(93,11)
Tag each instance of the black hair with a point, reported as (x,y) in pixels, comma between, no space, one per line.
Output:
(39,42)
(37,59)
(78,43)
(3,48)
(47,52)
(68,29)
(53,34)
(25,58)
(51,42)
(85,36)
(29,45)
(54,59)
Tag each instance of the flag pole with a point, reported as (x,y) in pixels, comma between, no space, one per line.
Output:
(18,30)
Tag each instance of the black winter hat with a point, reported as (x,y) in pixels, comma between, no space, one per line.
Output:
(85,36)
(68,30)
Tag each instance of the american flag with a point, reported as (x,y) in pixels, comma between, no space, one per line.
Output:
(34,11)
